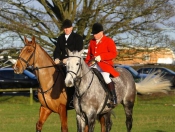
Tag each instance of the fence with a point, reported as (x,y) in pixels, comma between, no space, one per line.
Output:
(21,89)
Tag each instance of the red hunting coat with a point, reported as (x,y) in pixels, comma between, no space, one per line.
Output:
(106,48)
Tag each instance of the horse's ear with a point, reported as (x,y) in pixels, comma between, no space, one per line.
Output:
(82,51)
(33,39)
(25,40)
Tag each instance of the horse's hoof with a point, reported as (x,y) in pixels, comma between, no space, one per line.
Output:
(38,131)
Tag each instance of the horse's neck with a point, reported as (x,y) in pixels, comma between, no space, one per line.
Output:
(44,70)
(42,59)
(87,78)
(90,85)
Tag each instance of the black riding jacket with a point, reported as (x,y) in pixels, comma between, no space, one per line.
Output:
(73,43)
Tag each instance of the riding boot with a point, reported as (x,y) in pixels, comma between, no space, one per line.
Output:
(113,93)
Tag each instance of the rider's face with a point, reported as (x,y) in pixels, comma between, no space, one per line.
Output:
(68,31)
(98,35)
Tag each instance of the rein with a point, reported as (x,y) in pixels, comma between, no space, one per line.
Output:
(42,67)
(27,61)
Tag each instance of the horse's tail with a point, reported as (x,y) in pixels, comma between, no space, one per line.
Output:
(153,84)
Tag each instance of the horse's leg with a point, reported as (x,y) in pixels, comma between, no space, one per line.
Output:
(81,124)
(106,122)
(128,106)
(63,117)
(102,123)
(43,114)
(84,126)
(91,117)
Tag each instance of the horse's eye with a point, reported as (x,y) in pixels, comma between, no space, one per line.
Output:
(29,50)
(77,64)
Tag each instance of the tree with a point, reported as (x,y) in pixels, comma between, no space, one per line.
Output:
(128,22)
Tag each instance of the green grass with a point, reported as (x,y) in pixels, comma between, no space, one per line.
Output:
(152,113)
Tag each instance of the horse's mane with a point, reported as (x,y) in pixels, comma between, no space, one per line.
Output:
(46,54)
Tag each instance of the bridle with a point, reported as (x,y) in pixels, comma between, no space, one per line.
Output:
(27,61)
(80,66)
(78,79)
(32,55)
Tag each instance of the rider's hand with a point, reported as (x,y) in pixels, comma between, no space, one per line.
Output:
(57,61)
(65,61)
(98,58)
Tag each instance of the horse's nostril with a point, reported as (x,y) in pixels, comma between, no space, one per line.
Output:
(15,68)
(70,83)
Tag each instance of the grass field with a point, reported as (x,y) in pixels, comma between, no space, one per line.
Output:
(152,113)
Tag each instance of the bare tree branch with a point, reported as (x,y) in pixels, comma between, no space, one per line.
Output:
(128,22)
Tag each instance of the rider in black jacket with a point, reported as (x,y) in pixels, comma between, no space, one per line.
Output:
(69,40)
(73,42)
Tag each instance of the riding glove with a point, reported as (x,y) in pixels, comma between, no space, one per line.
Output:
(57,61)
(98,58)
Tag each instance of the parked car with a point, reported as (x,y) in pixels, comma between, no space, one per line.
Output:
(137,77)
(165,72)
(8,79)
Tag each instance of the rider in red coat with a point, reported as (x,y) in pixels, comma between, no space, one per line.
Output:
(103,49)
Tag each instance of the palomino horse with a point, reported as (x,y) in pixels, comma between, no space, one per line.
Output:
(52,93)
(91,99)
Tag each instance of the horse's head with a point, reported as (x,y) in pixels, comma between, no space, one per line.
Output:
(26,56)
(74,67)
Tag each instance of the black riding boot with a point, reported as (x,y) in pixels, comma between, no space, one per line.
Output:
(113,93)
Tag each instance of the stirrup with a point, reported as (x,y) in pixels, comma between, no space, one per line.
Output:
(114,101)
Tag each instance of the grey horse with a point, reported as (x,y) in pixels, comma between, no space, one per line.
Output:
(91,100)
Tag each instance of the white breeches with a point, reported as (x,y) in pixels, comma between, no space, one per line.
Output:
(104,74)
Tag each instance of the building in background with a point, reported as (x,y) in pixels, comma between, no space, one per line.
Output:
(131,56)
